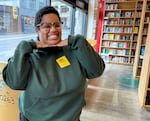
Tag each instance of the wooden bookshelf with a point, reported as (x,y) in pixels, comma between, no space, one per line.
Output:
(142,36)
(144,85)
(120,30)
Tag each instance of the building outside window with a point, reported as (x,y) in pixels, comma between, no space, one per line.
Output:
(17,22)
(16,16)
(7,19)
(65,10)
(74,19)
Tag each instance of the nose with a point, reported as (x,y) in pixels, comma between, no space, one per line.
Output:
(52,28)
(52,31)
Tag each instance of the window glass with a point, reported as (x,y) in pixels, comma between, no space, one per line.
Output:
(74,19)
(78,21)
(65,12)
(16,23)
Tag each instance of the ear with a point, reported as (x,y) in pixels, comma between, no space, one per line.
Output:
(37,30)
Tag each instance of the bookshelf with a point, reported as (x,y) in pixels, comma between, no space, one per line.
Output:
(144,85)
(143,30)
(120,30)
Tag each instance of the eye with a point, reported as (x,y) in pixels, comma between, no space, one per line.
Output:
(46,25)
(57,24)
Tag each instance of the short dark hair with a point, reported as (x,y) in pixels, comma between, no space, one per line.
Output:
(45,10)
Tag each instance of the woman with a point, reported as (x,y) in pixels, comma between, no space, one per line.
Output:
(52,73)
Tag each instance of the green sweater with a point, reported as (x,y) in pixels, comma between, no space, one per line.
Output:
(53,80)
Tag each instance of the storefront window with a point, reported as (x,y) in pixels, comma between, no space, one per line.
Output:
(65,12)
(80,24)
(74,19)
(16,23)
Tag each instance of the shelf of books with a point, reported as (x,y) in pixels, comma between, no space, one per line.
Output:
(145,19)
(144,85)
(120,30)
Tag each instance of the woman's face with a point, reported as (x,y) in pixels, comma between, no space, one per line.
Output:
(49,30)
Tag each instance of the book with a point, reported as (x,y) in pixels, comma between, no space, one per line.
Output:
(136,29)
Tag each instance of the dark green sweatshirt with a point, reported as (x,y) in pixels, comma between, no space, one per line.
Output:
(53,80)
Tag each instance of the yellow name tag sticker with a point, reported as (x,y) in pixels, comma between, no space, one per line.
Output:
(63,61)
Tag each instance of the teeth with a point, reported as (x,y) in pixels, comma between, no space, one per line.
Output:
(53,37)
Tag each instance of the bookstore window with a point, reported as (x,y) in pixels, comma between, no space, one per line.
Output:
(66,12)
(33,4)
(80,22)
(74,19)
(17,24)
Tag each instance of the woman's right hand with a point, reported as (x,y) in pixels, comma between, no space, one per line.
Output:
(40,44)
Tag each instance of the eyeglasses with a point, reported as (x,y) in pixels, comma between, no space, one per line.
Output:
(47,26)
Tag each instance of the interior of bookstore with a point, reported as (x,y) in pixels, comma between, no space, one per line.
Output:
(117,30)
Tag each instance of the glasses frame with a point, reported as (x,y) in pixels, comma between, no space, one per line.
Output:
(50,25)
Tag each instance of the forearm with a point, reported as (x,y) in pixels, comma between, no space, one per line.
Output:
(88,58)
(16,72)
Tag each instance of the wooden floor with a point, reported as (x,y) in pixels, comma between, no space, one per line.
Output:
(114,97)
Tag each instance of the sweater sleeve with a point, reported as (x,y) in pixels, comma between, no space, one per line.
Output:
(17,70)
(90,61)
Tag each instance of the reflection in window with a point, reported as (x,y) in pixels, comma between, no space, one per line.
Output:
(32,4)
(74,19)
(24,4)
(16,16)
(8,19)
(78,21)
(65,12)
(16,23)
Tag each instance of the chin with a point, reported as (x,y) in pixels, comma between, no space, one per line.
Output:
(53,42)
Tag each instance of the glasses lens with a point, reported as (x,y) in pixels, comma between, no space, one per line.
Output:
(57,24)
(50,25)
(45,25)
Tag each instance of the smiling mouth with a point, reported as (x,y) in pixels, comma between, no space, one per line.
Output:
(53,37)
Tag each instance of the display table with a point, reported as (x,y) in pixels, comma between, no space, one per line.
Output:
(8,100)
(92,43)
